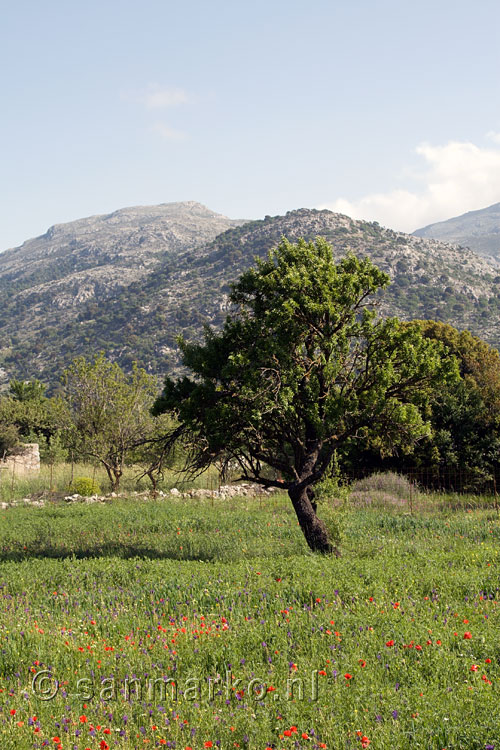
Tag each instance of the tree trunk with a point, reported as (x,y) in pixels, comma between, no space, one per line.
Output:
(313,528)
(114,473)
(154,482)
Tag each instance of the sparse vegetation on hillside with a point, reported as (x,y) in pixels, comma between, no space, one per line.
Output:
(135,312)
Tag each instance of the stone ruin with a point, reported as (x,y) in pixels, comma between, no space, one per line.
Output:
(25,459)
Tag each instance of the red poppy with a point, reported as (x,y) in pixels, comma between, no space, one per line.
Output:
(348,676)
(389,644)
(467,635)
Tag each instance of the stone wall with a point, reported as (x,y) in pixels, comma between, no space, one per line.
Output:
(24,460)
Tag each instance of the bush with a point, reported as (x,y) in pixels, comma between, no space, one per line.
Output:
(85,486)
(387,488)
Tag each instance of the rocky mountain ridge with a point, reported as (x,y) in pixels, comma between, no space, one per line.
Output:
(154,279)
(479,230)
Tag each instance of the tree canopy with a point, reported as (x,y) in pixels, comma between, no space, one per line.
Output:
(302,366)
(465,415)
(109,411)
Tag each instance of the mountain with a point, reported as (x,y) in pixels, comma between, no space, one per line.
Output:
(130,282)
(479,230)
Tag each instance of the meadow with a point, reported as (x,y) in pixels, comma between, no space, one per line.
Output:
(200,624)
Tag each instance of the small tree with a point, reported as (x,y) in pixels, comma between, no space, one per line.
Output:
(110,411)
(27,390)
(302,367)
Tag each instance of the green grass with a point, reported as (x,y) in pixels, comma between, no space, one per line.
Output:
(189,590)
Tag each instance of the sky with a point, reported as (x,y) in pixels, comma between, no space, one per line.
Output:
(386,110)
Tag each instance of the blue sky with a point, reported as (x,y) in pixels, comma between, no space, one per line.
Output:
(385,110)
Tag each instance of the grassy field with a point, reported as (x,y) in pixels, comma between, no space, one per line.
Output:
(142,623)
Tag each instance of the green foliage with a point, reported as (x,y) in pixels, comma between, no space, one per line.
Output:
(9,438)
(27,390)
(35,418)
(85,486)
(304,360)
(53,450)
(465,415)
(109,411)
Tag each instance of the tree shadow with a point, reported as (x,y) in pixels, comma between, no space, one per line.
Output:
(109,549)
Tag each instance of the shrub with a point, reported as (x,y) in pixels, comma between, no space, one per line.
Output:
(85,486)
(387,488)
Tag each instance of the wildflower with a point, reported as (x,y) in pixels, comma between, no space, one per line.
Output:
(348,676)
(467,635)
(208,743)
(389,644)
(474,668)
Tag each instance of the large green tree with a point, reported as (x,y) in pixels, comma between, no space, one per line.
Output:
(302,366)
(465,417)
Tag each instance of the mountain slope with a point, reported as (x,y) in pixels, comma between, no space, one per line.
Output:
(183,289)
(479,230)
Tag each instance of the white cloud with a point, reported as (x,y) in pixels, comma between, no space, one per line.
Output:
(458,177)
(167,133)
(495,137)
(157,97)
